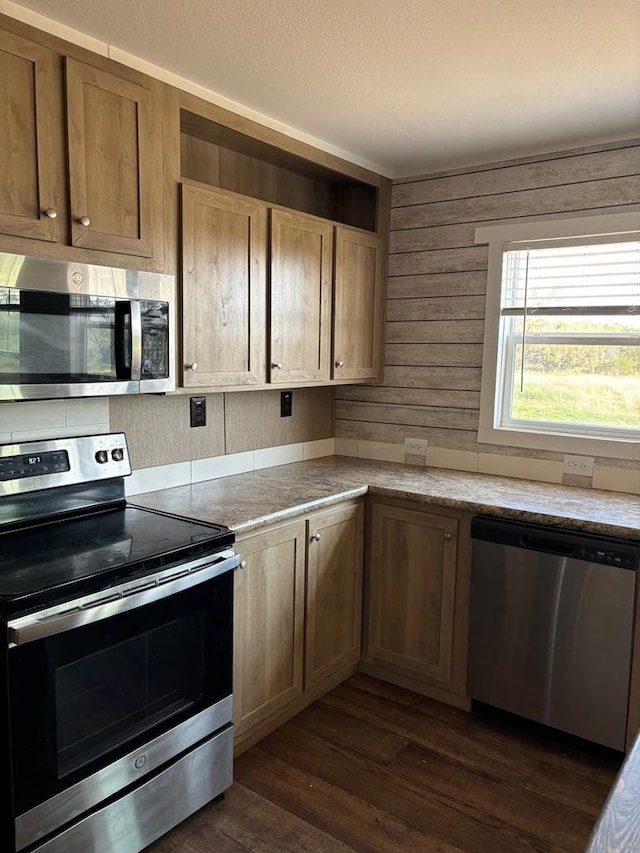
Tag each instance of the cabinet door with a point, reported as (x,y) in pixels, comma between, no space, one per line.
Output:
(30,189)
(412,591)
(357,332)
(334,591)
(114,130)
(224,241)
(268,624)
(301,249)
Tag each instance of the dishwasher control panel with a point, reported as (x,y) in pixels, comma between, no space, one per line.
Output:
(591,548)
(626,559)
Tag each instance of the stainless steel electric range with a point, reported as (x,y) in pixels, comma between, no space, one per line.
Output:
(116,706)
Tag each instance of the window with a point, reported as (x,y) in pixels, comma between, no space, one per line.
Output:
(561,366)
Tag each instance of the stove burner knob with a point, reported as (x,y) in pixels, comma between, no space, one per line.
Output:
(101,457)
(117,454)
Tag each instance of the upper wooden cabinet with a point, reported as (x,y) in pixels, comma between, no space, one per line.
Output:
(313,307)
(81,153)
(224,245)
(114,135)
(301,252)
(325,308)
(357,305)
(30,183)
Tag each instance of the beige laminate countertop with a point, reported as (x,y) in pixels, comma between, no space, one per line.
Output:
(254,500)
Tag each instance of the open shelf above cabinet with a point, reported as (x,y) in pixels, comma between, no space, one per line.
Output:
(220,156)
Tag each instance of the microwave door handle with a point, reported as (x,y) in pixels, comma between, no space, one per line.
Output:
(136,340)
(128,340)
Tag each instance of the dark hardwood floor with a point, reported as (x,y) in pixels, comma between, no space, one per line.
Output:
(372,767)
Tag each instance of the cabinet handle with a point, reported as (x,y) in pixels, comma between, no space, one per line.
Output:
(316,537)
(193,366)
(84,220)
(339,363)
(243,564)
(277,365)
(50,212)
(448,535)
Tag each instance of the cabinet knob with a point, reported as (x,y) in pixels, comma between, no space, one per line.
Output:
(193,366)
(448,535)
(84,220)
(277,365)
(50,212)
(339,363)
(243,564)
(316,537)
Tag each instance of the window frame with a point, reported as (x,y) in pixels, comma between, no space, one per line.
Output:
(501,238)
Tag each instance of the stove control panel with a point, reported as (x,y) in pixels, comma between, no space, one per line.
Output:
(34,465)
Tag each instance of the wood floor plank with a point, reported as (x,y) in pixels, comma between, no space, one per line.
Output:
(346,816)
(459,824)
(256,824)
(349,731)
(585,793)
(557,823)
(516,743)
(461,744)
(375,768)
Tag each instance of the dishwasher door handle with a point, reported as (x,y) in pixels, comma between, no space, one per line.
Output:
(553,546)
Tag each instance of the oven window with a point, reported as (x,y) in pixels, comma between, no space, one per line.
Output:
(82,699)
(109,697)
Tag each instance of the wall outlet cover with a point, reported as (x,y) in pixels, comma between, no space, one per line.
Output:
(286,404)
(582,466)
(415,446)
(198,411)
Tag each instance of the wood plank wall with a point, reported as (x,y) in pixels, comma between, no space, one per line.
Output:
(437,284)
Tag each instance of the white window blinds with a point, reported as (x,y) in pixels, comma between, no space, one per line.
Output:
(572,280)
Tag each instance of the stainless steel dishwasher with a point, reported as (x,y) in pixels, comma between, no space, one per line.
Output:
(552,626)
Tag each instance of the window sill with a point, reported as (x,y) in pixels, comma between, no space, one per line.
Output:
(612,448)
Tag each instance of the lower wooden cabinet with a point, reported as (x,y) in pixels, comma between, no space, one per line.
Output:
(334,592)
(417,598)
(298,604)
(268,624)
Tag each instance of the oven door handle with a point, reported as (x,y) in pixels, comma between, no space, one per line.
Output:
(111,602)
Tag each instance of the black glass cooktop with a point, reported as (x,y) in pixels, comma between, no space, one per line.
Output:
(50,562)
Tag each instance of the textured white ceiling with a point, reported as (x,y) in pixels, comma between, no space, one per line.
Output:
(409,86)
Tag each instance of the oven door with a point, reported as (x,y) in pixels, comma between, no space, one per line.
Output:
(97,707)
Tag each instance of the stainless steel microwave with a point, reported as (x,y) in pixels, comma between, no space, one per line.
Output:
(80,330)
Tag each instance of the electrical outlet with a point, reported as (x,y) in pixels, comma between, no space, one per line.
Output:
(286,404)
(198,411)
(415,446)
(580,465)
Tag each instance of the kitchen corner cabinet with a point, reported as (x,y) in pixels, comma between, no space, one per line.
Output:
(417,598)
(224,247)
(82,154)
(301,255)
(357,305)
(298,602)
